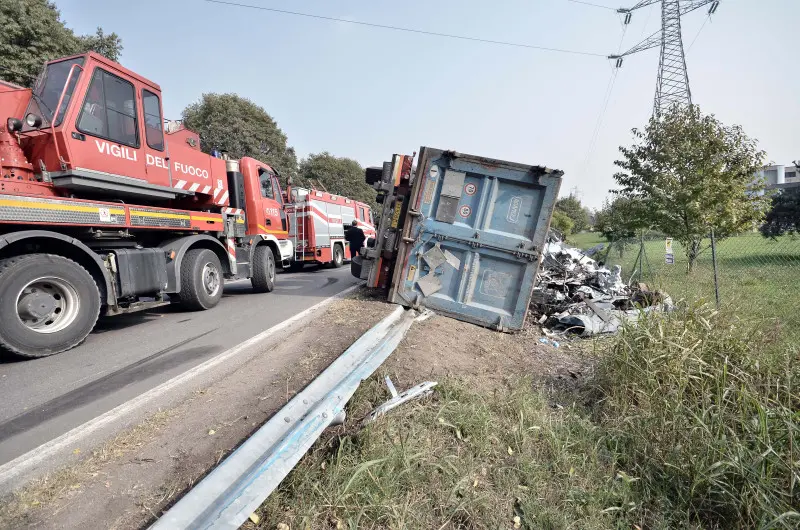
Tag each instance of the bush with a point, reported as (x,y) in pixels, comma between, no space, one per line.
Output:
(562,223)
(701,408)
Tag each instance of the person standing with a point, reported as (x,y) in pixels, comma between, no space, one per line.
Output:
(355,237)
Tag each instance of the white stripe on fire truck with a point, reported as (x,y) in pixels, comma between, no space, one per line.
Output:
(223,198)
(180,184)
(216,192)
(206,190)
(194,187)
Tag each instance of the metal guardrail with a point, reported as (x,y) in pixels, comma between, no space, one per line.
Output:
(229,494)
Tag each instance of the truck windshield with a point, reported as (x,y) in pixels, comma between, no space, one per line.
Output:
(48,90)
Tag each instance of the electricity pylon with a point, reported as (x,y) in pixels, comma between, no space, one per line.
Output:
(672,85)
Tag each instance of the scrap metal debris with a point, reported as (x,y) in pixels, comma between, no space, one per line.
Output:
(576,294)
(419,391)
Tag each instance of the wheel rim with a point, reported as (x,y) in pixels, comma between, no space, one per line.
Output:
(48,304)
(339,255)
(271,269)
(211,279)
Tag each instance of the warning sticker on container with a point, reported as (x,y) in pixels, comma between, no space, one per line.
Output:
(465,211)
(470,188)
(105,215)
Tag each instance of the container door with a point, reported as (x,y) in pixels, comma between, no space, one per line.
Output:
(472,239)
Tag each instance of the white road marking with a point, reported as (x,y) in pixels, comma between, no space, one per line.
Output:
(71,439)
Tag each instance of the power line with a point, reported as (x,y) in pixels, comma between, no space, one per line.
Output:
(591,4)
(606,100)
(407,30)
(698,33)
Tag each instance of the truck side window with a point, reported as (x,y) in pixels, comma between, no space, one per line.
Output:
(276,188)
(109,111)
(265,177)
(153,131)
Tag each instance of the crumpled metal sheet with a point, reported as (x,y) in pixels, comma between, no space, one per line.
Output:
(574,293)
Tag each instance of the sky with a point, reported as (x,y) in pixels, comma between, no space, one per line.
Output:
(366,93)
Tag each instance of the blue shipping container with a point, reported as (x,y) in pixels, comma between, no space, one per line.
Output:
(473,237)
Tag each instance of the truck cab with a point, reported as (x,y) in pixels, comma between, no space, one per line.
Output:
(105,208)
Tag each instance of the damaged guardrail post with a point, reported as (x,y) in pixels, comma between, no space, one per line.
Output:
(232,491)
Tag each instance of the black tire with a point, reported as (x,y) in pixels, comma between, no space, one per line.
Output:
(263,279)
(49,305)
(201,280)
(338,256)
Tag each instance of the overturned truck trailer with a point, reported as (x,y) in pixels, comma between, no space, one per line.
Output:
(460,234)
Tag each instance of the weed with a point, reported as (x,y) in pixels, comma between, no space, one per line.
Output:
(701,406)
(459,460)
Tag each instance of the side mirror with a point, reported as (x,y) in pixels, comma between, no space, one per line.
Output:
(372,175)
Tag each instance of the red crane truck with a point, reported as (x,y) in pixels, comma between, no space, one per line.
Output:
(318,221)
(103,211)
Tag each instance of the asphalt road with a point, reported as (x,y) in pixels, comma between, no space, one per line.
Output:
(129,354)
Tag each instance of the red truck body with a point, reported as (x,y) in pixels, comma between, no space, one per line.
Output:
(104,210)
(318,222)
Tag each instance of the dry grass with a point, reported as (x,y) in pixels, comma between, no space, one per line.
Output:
(461,459)
(690,422)
(48,491)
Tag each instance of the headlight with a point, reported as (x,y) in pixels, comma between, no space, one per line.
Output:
(13,125)
(33,121)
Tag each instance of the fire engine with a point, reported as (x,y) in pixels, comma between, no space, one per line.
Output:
(318,221)
(103,210)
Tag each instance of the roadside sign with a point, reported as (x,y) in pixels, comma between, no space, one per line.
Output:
(668,244)
(669,259)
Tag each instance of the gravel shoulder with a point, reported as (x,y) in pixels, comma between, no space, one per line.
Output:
(127,481)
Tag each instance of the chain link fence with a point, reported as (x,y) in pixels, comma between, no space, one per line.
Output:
(760,277)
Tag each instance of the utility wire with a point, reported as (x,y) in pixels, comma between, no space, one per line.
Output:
(591,4)
(606,100)
(698,33)
(407,30)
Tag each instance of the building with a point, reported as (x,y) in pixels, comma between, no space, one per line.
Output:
(776,175)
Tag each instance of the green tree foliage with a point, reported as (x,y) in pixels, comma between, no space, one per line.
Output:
(619,221)
(784,216)
(571,206)
(338,175)
(32,32)
(238,126)
(562,223)
(620,218)
(693,174)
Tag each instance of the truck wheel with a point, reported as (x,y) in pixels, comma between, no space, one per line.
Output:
(201,280)
(338,256)
(49,304)
(263,278)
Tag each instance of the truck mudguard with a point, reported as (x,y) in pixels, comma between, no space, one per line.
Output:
(97,271)
(180,246)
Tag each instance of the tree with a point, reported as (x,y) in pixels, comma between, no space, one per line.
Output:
(784,215)
(692,174)
(238,126)
(562,223)
(571,206)
(620,220)
(338,175)
(33,33)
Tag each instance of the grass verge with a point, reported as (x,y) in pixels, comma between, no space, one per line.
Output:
(693,423)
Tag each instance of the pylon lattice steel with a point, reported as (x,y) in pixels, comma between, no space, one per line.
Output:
(672,84)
